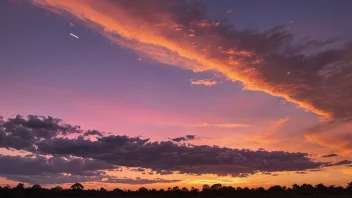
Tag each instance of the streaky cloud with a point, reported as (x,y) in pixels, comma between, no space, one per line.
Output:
(177,32)
(330,155)
(206,82)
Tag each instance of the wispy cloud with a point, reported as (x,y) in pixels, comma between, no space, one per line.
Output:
(224,125)
(185,138)
(270,133)
(330,155)
(176,32)
(205,82)
(335,135)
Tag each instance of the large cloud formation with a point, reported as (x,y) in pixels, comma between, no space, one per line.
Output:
(178,32)
(60,178)
(88,158)
(158,156)
(21,133)
(39,165)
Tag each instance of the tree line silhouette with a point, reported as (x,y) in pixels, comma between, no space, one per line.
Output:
(215,190)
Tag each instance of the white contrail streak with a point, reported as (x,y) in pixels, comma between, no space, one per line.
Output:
(74,35)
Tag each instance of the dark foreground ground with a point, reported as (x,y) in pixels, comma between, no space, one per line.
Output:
(216,191)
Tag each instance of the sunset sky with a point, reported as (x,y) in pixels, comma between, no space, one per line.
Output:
(175,93)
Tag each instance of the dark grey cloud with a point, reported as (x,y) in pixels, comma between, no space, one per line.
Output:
(315,170)
(52,178)
(179,139)
(165,172)
(167,156)
(138,169)
(82,156)
(185,138)
(343,162)
(40,165)
(140,181)
(330,155)
(62,179)
(340,163)
(92,133)
(301,172)
(57,170)
(23,133)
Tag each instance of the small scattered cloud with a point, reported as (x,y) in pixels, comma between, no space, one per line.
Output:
(92,133)
(138,169)
(315,170)
(185,138)
(224,125)
(140,181)
(205,82)
(339,163)
(330,155)
(165,172)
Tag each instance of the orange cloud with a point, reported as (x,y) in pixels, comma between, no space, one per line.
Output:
(226,125)
(269,135)
(335,135)
(176,33)
(204,82)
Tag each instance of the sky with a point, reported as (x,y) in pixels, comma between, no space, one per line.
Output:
(175,93)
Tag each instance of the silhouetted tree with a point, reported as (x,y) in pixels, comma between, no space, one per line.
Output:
(216,187)
(216,190)
(36,186)
(162,190)
(117,191)
(321,189)
(260,190)
(20,186)
(349,188)
(194,190)
(184,189)
(77,186)
(142,190)
(57,189)
(176,189)
(246,190)
(295,187)
(205,188)
(277,189)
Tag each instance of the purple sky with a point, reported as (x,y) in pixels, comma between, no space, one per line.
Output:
(97,84)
